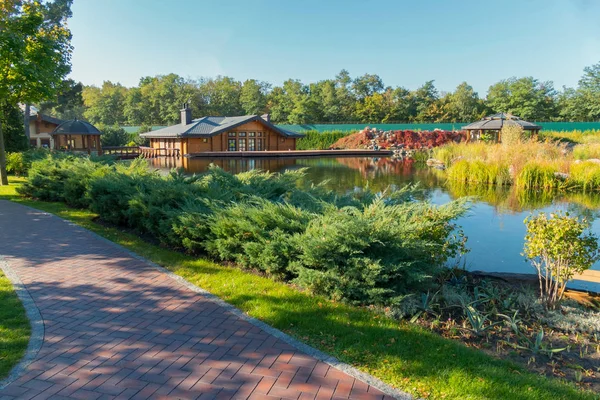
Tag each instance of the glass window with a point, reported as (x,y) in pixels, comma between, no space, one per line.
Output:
(242,134)
(231,145)
(259,134)
(259,144)
(251,144)
(231,134)
(241,144)
(251,134)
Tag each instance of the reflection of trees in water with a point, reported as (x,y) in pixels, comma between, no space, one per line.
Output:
(511,200)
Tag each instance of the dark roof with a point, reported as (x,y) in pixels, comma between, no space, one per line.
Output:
(212,126)
(45,118)
(76,127)
(497,121)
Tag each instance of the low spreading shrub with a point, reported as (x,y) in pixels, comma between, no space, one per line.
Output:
(315,140)
(360,247)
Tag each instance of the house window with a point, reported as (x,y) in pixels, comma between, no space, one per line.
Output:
(33,142)
(242,144)
(205,140)
(241,134)
(259,134)
(251,144)
(71,143)
(231,134)
(231,145)
(259,145)
(251,134)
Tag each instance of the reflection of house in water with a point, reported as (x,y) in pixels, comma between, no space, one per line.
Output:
(229,164)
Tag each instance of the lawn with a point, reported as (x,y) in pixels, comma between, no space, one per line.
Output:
(14,327)
(401,354)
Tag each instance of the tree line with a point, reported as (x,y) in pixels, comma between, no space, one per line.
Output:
(364,99)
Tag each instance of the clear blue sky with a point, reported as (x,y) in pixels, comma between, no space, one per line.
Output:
(404,42)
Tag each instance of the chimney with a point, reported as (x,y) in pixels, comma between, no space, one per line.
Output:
(186,114)
(266,117)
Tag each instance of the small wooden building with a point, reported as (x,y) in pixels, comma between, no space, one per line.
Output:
(77,136)
(40,129)
(493,124)
(213,134)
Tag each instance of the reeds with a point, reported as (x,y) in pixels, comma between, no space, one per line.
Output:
(538,175)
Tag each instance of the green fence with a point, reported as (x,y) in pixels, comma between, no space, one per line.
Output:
(548,126)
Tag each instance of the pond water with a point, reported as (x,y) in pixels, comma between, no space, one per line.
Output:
(494,225)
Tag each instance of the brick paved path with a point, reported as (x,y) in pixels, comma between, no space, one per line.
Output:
(115,327)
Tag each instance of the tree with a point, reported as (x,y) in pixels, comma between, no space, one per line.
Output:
(14,136)
(105,105)
(35,55)
(589,92)
(464,104)
(424,97)
(558,248)
(68,102)
(526,97)
(253,96)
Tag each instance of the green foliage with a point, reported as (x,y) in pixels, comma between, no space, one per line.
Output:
(113,136)
(379,253)
(537,175)
(585,175)
(480,172)
(19,163)
(315,140)
(12,128)
(558,248)
(359,248)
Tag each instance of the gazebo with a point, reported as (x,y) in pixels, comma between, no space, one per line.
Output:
(494,123)
(77,136)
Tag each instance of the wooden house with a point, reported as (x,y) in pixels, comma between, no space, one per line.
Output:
(77,136)
(248,133)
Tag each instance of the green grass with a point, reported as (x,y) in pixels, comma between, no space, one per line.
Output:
(14,327)
(401,354)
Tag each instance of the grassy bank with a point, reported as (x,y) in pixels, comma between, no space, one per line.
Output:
(402,354)
(530,165)
(14,325)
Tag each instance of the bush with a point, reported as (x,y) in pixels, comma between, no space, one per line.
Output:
(19,163)
(558,248)
(315,140)
(377,254)
(360,248)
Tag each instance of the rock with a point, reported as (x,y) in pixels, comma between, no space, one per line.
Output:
(433,162)
(561,175)
(593,160)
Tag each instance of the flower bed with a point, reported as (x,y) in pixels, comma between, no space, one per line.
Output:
(372,138)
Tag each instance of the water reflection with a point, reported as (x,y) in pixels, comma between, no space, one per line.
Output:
(494,225)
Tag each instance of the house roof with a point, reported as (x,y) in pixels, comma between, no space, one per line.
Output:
(212,126)
(45,118)
(76,127)
(495,122)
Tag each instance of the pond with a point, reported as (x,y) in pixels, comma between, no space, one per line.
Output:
(494,225)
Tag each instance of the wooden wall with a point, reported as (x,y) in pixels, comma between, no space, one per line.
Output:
(271,140)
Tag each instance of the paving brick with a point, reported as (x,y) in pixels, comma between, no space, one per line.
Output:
(115,327)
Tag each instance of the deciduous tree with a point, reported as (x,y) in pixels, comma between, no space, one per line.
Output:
(35,55)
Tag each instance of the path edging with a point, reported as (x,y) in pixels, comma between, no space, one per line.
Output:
(36,338)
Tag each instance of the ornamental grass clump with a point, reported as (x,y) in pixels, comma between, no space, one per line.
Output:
(538,175)
(477,171)
(558,247)
(585,175)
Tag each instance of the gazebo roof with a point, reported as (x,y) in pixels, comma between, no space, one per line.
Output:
(76,127)
(495,122)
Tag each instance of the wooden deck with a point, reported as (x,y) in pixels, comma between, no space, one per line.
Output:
(293,153)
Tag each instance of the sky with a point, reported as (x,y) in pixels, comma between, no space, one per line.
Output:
(405,42)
